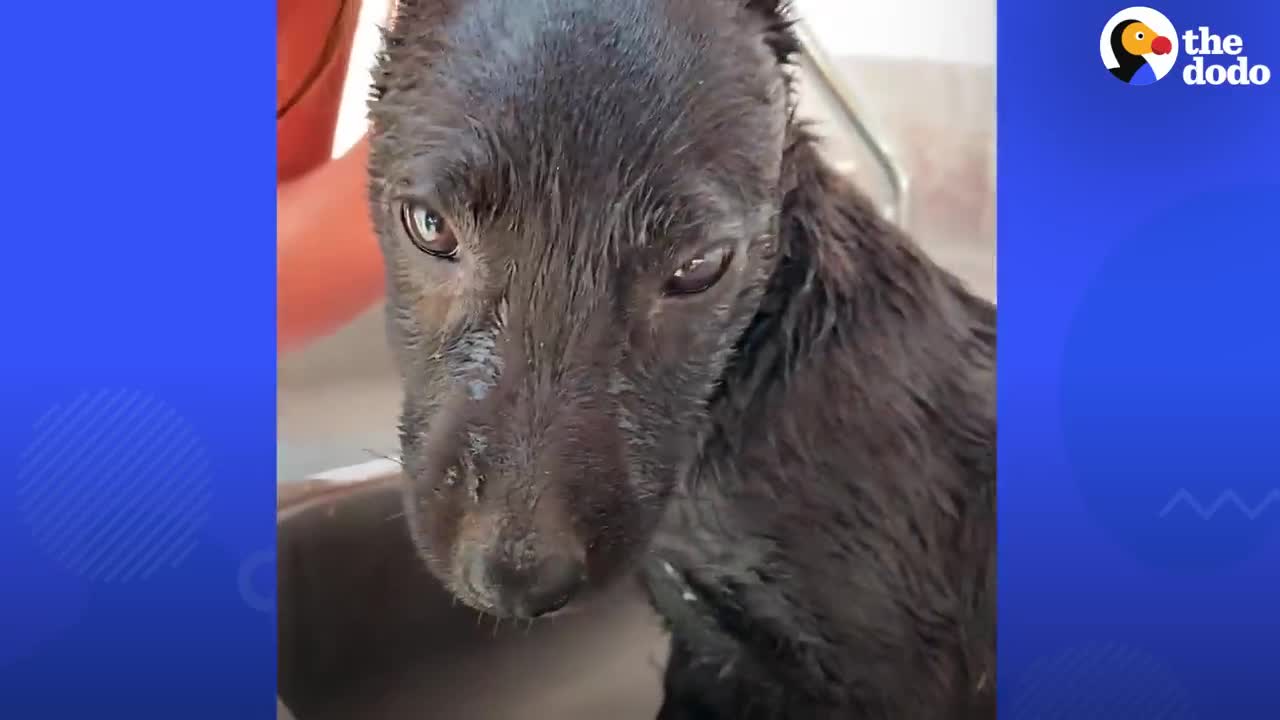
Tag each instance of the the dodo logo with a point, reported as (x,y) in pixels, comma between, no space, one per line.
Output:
(1140,46)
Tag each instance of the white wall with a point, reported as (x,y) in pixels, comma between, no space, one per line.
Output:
(960,31)
(351,114)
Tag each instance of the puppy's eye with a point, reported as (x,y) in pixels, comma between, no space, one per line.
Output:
(428,231)
(699,274)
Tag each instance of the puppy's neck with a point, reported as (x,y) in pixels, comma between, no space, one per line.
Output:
(845,277)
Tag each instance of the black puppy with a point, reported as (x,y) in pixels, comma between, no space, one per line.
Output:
(643,325)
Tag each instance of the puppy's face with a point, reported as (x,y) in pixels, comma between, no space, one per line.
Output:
(577,202)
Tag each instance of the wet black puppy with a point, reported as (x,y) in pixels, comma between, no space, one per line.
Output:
(642,325)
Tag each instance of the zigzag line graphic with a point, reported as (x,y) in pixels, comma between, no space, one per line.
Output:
(1227,497)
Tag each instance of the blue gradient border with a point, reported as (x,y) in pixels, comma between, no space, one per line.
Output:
(1139,280)
(138,577)
(1138,266)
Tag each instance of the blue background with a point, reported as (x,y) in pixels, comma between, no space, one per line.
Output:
(1138,273)
(137,291)
(1139,374)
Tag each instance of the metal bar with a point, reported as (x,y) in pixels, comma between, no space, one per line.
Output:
(825,72)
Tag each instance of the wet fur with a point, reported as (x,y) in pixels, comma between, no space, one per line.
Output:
(839,531)
(801,463)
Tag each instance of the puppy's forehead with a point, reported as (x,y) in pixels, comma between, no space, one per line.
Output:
(598,94)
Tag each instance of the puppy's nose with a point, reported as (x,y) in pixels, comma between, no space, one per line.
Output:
(526,590)
(546,586)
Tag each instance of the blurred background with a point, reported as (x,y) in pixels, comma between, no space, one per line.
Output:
(922,73)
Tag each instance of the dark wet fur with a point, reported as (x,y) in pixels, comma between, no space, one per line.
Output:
(801,462)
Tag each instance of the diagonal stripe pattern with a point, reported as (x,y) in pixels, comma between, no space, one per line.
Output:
(1099,681)
(115,485)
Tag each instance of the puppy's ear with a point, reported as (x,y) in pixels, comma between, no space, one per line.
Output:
(776,20)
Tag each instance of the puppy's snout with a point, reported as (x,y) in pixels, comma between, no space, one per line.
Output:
(525,580)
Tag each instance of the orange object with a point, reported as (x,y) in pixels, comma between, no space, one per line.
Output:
(328,267)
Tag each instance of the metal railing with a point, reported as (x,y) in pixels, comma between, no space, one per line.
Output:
(815,59)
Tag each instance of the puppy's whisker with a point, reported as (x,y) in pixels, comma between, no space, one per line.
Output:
(382,456)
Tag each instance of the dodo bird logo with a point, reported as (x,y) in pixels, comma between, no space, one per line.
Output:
(1139,45)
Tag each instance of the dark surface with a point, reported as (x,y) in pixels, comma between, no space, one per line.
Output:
(366,633)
